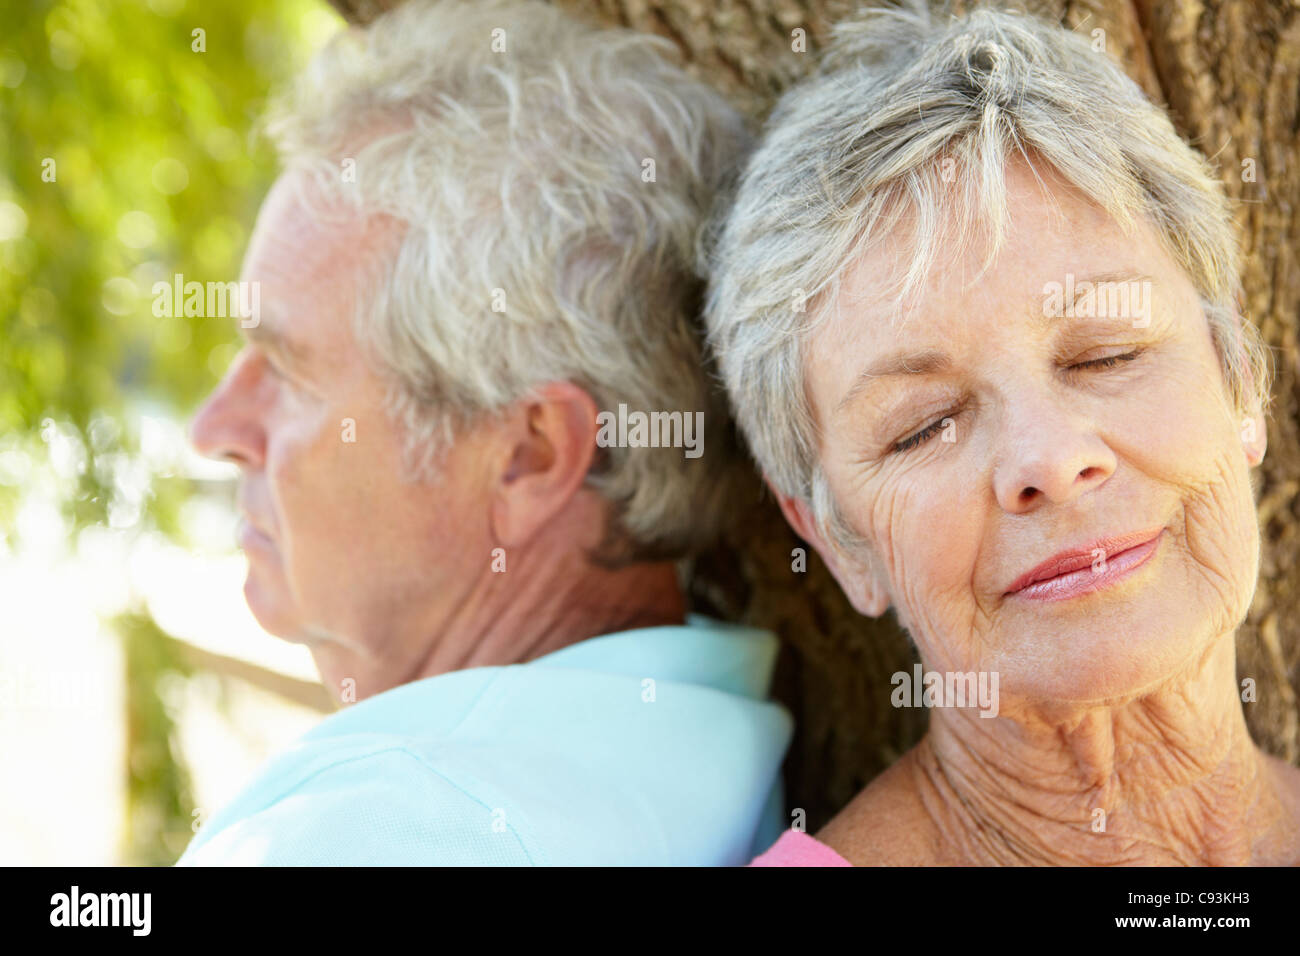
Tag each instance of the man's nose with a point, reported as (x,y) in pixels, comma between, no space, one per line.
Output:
(226,427)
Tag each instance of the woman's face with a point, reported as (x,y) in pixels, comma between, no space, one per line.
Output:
(1041,452)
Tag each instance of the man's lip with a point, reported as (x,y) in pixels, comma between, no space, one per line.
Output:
(1074,559)
(247,528)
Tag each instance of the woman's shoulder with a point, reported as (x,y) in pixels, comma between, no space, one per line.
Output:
(796,848)
(885,824)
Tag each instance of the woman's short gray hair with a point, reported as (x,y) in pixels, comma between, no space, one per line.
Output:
(911,116)
(551,178)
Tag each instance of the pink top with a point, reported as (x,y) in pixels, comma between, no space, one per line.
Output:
(796,848)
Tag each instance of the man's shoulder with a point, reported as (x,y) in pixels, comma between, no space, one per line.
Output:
(378,801)
(528,764)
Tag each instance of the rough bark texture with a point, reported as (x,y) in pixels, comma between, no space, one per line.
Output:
(1229,72)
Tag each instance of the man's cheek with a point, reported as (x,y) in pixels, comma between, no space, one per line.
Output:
(300,480)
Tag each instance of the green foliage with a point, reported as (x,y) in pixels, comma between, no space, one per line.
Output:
(160,798)
(127,155)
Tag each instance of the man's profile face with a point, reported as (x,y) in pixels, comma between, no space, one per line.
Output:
(340,548)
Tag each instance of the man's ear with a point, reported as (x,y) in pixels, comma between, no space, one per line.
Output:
(549,445)
(861,585)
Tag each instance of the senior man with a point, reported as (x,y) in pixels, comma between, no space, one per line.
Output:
(483,241)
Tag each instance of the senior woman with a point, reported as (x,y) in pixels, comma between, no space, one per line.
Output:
(973,302)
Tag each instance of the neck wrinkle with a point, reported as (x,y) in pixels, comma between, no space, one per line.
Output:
(519,615)
(1175,771)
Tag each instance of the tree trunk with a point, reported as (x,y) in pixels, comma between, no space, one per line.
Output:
(1229,73)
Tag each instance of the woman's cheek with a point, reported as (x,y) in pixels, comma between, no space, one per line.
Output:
(1222,536)
(891,527)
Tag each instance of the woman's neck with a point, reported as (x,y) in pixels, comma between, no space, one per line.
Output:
(1170,778)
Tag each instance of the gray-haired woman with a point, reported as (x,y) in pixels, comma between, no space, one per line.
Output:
(974,304)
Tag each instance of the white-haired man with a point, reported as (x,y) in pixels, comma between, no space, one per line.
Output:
(474,276)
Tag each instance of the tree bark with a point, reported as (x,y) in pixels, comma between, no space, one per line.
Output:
(1228,71)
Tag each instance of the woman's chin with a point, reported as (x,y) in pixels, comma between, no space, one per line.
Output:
(1107,666)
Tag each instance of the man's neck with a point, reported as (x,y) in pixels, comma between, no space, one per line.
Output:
(1171,778)
(540,603)
(537,613)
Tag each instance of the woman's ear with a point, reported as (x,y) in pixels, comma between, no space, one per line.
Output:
(1254,437)
(863,587)
(1254,426)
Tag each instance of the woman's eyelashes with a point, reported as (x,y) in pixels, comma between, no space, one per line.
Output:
(925,434)
(1109,361)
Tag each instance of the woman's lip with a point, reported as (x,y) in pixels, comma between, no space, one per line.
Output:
(1083,556)
(1085,580)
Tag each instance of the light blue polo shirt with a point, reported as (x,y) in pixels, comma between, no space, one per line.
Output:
(654,746)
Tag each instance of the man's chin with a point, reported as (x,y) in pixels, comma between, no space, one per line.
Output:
(274,611)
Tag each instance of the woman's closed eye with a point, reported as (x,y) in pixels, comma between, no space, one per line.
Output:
(921,437)
(1110,361)
(925,434)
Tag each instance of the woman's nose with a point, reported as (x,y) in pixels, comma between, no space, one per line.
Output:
(1051,453)
(226,427)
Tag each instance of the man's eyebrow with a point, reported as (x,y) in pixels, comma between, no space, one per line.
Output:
(932,361)
(267,336)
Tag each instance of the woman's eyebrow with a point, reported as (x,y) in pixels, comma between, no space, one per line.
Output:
(1071,288)
(922,362)
(932,361)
